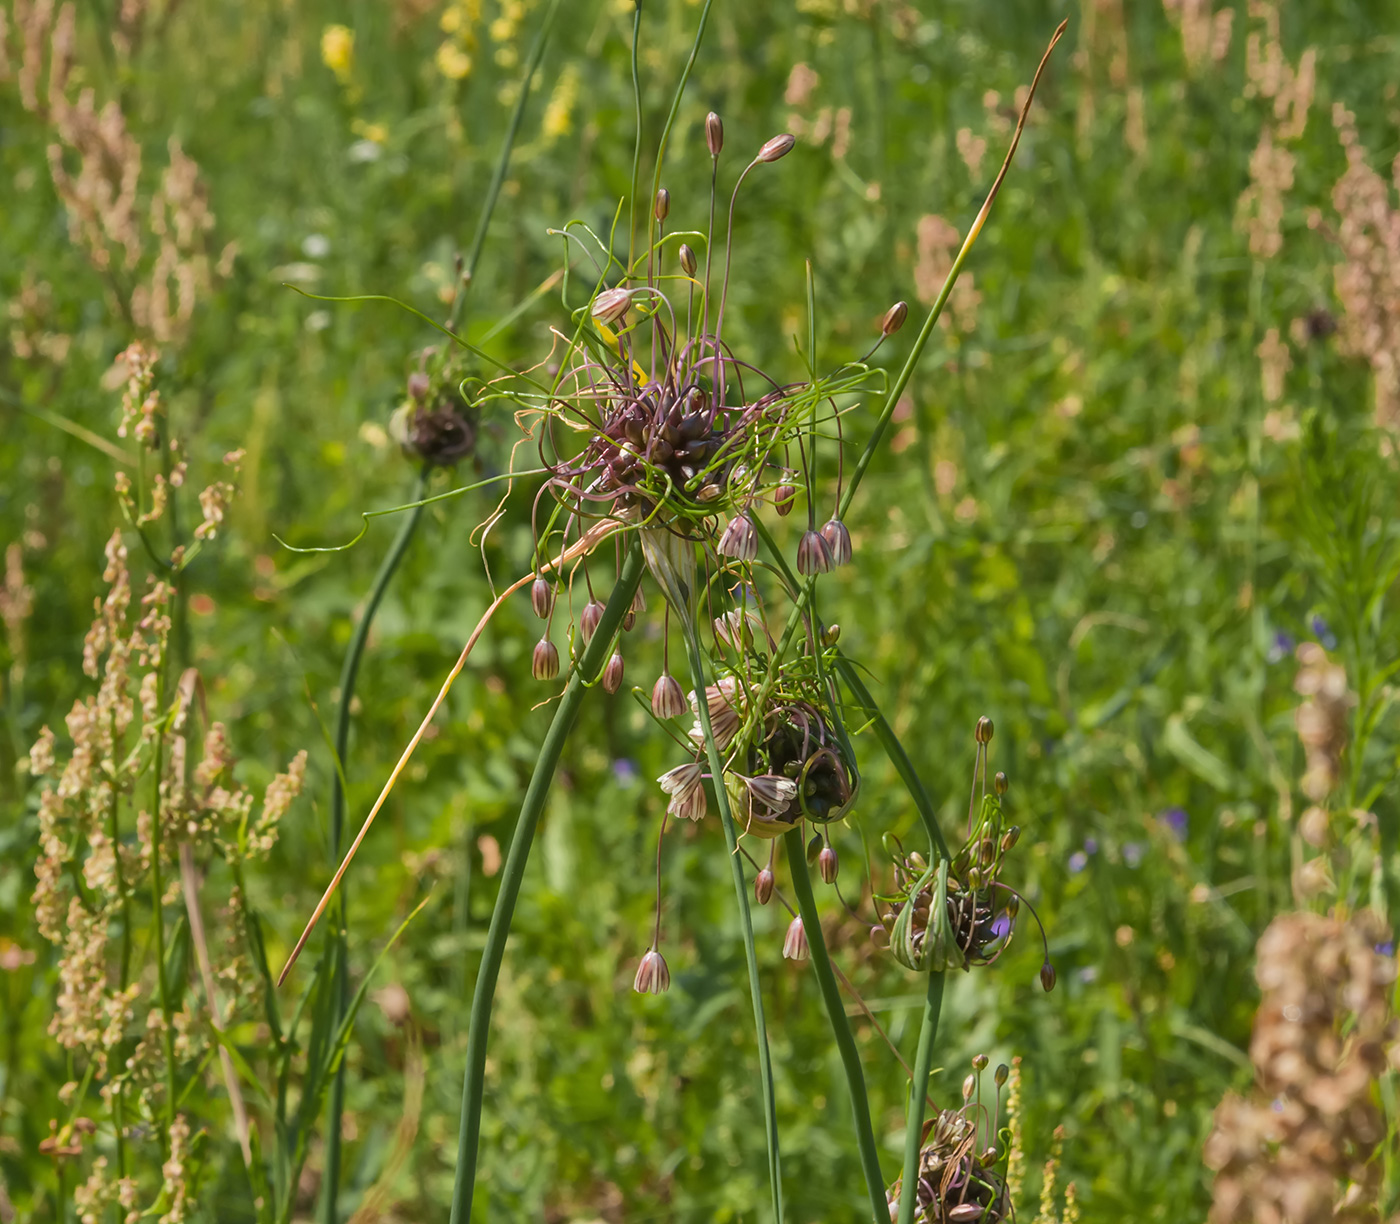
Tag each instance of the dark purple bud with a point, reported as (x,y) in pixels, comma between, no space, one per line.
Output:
(688,261)
(541,597)
(663,204)
(828,864)
(714,133)
(588,622)
(839,540)
(667,700)
(544,665)
(1047,977)
(894,318)
(779,146)
(813,555)
(784,498)
(763,886)
(984,730)
(612,673)
(653,977)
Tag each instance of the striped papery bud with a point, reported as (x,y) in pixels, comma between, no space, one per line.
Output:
(779,146)
(969,1087)
(763,886)
(612,673)
(739,540)
(667,700)
(589,620)
(1010,838)
(984,730)
(839,539)
(688,261)
(653,977)
(611,305)
(894,318)
(795,942)
(979,1062)
(714,133)
(813,555)
(828,864)
(663,204)
(784,498)
(1047,977)
(541,597)
(544,665)
(999,783)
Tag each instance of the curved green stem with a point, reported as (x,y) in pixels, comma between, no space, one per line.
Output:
(840,1026)
(741,891)
(918,1090)
(469,1135)
(340,987)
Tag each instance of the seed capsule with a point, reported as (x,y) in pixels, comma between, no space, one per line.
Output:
(714,133)
(778,146)
(653,977)
(541,597)
(1047,977)
(763,886)
(894,318)
(667,700)
(999,783)
(984,730)
(588,621)
(828,864)
(612,673)
(544,664)
(688,261)
(795,942)
(663,204)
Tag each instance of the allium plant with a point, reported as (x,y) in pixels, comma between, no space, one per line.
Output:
(661,447)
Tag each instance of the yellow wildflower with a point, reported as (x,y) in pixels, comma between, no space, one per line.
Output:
(454,63)
(338,51)
(558,117)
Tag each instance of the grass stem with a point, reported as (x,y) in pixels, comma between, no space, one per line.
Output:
(918,1090)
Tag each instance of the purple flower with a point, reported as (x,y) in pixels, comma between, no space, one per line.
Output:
(1001,926)
(1387,948)
(1132,853)
(1077,862)
(1281,647)
(1091,845)
(1323,633)
(624,771)
(1176,820)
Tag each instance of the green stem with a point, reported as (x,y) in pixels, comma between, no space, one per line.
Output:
(840,1026)
(349,673)
(741,891)
(918,1090)
(469,1137)
(157,892)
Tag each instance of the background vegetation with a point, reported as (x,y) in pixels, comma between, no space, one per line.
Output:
(1149,456)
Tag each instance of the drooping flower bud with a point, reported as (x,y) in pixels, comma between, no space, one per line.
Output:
(894,318)
(714,133)
(688,261)
(541,597)
(663,204)
(795,942)
(611,305)
(653,977)
(1047,977)
(589,620)
(667,700)
(813,555)
(828,864)
(544,665)
(612,673)
(839,540)
(739,540)
(784,498)
(999,783)
(984,730)
(778,146)
(763,886)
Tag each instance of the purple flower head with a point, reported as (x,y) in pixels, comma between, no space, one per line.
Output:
(1387,948)
(1091,845)
(1132,853)
(624,771)
(1001,926)
(1176,821)
(1077,862)
(1281,647)
(1323,633)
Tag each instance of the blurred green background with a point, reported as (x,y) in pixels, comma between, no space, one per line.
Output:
(1096,520)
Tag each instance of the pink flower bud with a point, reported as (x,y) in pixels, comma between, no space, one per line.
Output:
(653,977)
(763,886)
(541,597)
(714,133)
(589,620)
(544,665)
(813,555)
(839,540)
(611,305)
(667,700)
(612,673)
(894,318)
(828,864)
(795,942)
(779,146)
